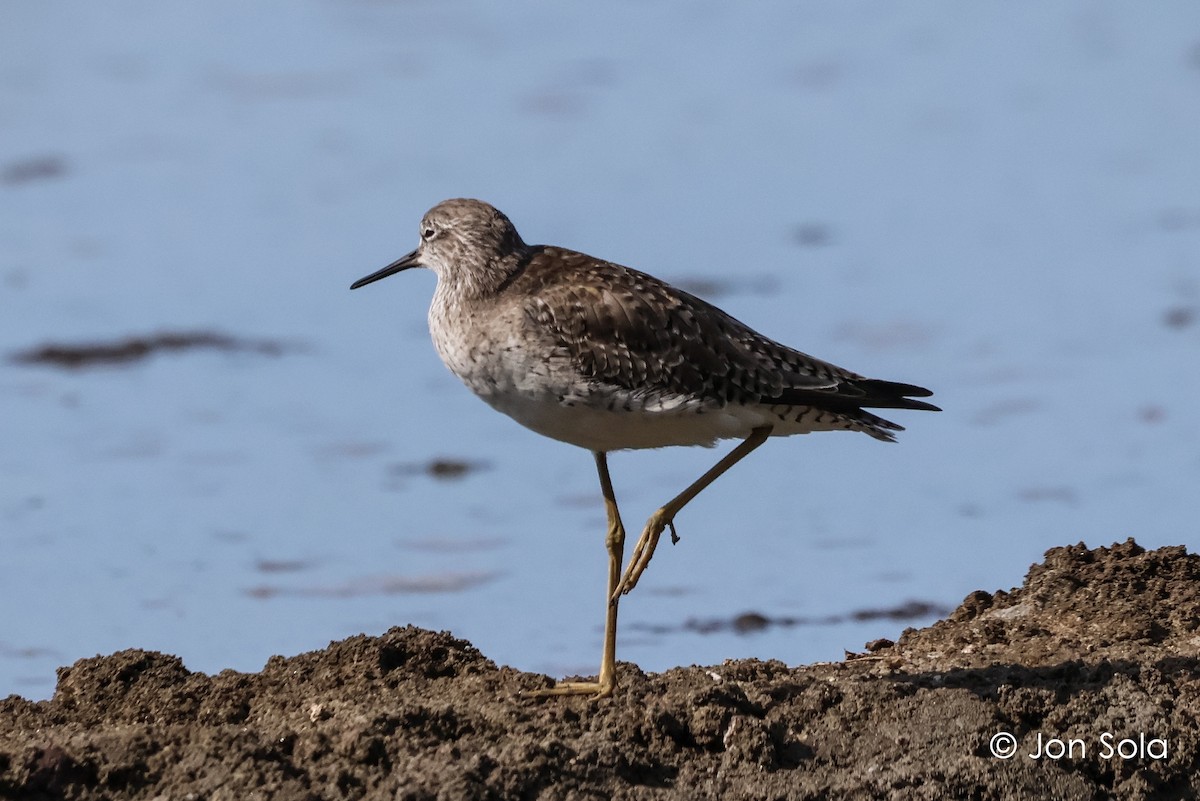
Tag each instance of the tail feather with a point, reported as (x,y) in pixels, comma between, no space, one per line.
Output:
(861,393)
(893,395)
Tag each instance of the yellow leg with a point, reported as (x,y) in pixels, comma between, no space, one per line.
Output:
(664,517)
(606,682)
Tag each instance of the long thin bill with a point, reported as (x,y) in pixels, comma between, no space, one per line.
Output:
(402,263)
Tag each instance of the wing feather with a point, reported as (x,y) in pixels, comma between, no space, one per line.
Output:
(628,329)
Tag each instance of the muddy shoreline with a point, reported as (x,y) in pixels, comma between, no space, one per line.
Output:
(1099,650)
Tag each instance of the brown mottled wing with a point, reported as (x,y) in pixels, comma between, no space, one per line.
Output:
(628,329)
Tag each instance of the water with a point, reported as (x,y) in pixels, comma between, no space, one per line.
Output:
(1001,205)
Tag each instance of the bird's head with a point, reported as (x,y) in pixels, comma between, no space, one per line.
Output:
(468,243)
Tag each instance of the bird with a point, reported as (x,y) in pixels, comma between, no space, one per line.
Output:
(608,358)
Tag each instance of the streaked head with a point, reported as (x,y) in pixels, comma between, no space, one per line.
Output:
(468,243)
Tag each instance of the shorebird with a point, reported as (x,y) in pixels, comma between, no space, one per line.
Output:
(608,358)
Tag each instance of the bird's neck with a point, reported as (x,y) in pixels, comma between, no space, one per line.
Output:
(479,284)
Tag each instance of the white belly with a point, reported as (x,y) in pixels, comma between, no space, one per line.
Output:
(598,428)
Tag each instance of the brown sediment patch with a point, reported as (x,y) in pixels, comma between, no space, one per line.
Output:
(76,356)
(443,468)
(749,622)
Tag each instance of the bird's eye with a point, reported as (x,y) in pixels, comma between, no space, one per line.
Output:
(427,233)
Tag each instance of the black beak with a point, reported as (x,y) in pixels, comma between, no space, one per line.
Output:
(402,263)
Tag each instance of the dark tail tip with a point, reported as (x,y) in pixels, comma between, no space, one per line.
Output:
(894,395)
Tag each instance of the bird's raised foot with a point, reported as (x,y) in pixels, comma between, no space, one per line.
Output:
(596,689)
(643,551)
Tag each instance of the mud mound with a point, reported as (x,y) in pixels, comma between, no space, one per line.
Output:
(1085,679)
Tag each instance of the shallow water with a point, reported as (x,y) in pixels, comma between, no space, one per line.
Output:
(894,192)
